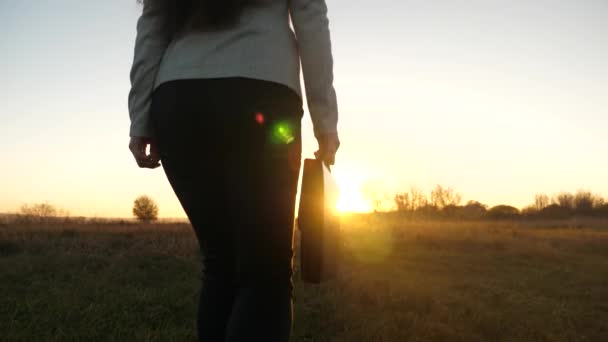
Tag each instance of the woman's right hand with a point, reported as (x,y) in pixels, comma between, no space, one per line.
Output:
(138,146)
(328,146)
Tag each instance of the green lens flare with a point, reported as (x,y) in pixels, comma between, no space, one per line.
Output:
(282,133)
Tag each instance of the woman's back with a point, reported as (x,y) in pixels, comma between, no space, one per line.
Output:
(261,45)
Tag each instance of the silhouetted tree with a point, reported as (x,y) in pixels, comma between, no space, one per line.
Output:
(402,201)
(583,202)
(541,201)
(474,210)
(411,201)
(452,211)
(502,212)
(555,211)
(564,200)
(145,209)
(602,209)
(41,212)
(442,197)
(427,210)
(418,198)
(38,210)
(445,202)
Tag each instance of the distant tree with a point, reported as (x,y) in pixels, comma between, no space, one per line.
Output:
(600,207)
(145,209)
(39,210)
(427,210)
(402,201)
(564,200)
(599,202)
(475,204)
(555,211)
(418,198)
(377,204)
(584,201)
(502,212)
(410,201)
(465,212)
(602,210)
(541,201)
(452,211)
(442,197)
(474,210)
(530,211)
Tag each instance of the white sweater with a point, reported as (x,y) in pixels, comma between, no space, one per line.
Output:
(262,46)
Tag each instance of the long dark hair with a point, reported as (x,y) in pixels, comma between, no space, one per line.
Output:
(200,15)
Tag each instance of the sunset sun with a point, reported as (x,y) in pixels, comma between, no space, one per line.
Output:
(351,198)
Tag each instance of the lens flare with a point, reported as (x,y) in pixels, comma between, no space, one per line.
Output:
(259,118)
(282,133)
(372,246)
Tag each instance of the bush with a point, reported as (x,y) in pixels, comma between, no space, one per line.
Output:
(145,209)
(474,210)
(503,212)
(40,213)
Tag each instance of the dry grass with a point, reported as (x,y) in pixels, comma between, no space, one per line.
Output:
(400,280)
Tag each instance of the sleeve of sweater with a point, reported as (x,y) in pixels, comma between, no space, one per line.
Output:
(150,44)
(311,25)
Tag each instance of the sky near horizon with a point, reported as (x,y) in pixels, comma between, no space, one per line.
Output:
(498,100)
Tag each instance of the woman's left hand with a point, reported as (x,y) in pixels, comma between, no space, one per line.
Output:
(138,146)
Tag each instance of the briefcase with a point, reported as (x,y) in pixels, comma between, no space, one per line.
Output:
(318,223)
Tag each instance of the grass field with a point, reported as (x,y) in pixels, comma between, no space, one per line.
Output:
(400,280)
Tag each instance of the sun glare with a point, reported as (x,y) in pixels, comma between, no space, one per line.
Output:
(351,197)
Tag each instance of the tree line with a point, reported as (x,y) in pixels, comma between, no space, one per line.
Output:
(447,203)
(144,209)
(442,202)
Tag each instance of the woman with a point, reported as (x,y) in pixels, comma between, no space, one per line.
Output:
(216,97)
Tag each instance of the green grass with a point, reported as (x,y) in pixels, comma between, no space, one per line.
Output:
(399,281)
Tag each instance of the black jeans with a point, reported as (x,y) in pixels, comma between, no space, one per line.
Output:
(231,151)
